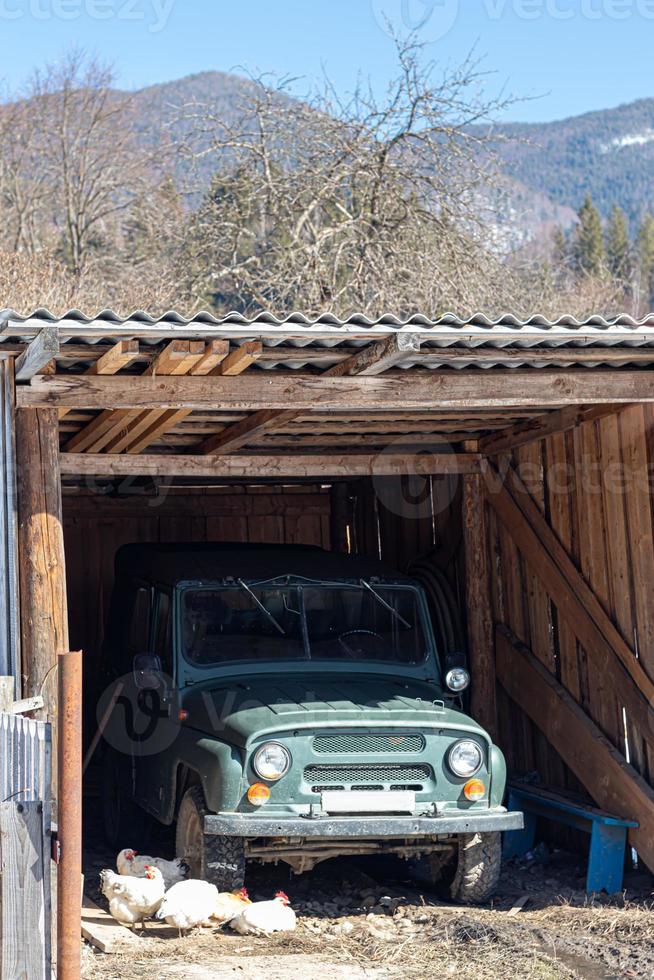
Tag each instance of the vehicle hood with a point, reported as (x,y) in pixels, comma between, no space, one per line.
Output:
(240,710)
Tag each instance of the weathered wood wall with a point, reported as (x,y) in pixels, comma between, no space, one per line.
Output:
(400,519)
(591,487)
(397,520)
(95,527)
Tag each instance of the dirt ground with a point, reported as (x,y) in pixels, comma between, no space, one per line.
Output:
(355,922)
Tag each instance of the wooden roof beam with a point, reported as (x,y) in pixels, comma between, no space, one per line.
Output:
(122,433)
(370,360)
(240,358)
(277,465)
(425,391)
(102,429)
(111,362)
(38,354)
(217,361)
(542,426)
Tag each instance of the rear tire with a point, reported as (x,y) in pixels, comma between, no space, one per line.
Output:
(220,860)
(478,868)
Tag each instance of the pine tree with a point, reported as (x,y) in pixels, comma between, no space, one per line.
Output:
(560,247)
(618,246)
(645,255)
(589,251)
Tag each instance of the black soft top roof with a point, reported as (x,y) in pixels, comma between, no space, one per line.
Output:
(169,564)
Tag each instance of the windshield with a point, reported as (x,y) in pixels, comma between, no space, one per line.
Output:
(332,622)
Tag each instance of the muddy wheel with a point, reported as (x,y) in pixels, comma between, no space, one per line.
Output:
(220,860)
(478,868)
(123,821)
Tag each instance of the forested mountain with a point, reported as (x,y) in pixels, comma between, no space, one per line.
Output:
(607,154)
(550,167)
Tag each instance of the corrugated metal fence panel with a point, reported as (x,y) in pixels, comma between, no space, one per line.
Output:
(25,818)
(25,759)
(9,606)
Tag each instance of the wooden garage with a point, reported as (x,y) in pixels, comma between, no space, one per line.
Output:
(512,459)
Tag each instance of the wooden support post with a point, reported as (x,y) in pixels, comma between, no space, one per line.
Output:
(481,646)
(339,517)
(44,616)
(69,874)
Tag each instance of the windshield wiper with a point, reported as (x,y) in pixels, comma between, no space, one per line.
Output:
(385,604)
(261,606)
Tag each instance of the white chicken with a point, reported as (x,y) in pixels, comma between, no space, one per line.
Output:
(132,900)
(264,918)
(189,904)
(130,862)
(229,905)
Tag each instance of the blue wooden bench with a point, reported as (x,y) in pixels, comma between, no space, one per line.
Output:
(608,834)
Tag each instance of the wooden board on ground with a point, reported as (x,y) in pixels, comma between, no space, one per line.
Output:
(518,906)
(103,932)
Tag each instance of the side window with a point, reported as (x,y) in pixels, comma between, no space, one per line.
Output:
(163,632)
(139,627)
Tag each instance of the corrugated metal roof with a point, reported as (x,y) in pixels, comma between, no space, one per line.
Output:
(476,333)
(172,319)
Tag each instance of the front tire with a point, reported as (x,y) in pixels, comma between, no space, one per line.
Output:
(219,860)
(478,868)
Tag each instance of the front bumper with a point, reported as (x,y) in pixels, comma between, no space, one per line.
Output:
(238,825)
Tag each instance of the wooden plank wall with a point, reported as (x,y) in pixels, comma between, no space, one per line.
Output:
(592,485)
(400,519)
(95,526)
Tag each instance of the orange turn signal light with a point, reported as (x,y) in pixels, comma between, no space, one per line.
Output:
(474,790)
(258,794)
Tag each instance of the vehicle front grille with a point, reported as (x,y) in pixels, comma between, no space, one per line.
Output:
(372,777)
(365,743)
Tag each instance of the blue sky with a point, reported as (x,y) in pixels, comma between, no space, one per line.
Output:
(568,56)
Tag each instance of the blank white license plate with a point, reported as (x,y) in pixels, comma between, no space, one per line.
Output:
(373,801)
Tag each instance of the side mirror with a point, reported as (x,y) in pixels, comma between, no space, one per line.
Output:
(146,669)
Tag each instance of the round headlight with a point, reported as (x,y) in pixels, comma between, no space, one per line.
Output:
(464,758)
(457,679)
(271,761)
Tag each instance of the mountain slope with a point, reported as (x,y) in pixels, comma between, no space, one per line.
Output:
(523,213)
(550,167)
(609,154)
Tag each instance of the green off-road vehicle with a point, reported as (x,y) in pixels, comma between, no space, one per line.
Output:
(289,704)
